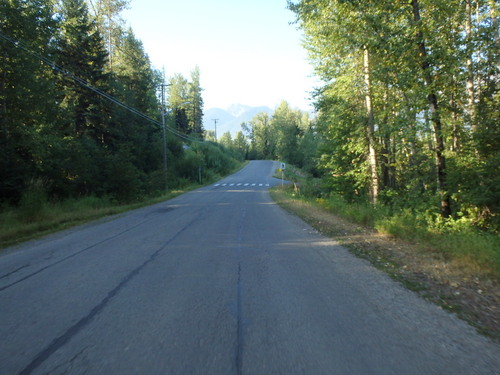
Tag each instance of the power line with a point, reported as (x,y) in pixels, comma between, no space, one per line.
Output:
(98,91)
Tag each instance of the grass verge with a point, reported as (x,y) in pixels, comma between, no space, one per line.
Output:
(462,281)
(17,227)
(35,217)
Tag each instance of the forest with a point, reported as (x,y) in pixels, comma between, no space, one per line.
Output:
(409,110)
(81,108)
(407,116)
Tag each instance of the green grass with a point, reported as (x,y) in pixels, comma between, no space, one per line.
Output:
(360,213)
(22,223)
(475,251)
(470,248)
(36,217)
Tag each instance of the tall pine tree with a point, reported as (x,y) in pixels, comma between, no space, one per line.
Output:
(27,94)
(81,51)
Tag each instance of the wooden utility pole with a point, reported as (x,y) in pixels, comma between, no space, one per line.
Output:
(164,129)
(215,132)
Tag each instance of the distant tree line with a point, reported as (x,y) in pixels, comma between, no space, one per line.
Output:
(237,146)
(59,132)
(287,134)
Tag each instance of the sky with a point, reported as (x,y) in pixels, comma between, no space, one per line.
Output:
(247,50)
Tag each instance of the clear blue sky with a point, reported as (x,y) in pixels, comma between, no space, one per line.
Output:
(246,50)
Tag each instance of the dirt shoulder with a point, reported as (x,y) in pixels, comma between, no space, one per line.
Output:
(472,298)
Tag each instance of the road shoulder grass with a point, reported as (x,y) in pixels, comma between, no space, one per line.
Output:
(17,226)
(472,296)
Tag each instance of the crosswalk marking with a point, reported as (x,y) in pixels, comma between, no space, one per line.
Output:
(241,184)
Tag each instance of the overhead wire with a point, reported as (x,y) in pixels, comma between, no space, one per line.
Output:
(98,91)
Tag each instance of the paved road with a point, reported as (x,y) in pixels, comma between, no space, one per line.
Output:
(218,281)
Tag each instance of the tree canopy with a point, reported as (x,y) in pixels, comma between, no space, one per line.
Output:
(408,112)
(80,105)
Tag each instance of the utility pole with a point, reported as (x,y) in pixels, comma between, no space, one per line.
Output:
(164,129)
(215,121)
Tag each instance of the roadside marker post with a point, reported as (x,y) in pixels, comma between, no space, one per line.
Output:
(282,172)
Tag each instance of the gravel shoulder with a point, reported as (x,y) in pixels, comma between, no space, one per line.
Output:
(472,298)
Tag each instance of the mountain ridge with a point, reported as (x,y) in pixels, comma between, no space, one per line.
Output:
(230,119)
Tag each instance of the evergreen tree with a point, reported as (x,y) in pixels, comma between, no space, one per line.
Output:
(84,116)
(181,120)
(27,93)
(81,51)
(135,84)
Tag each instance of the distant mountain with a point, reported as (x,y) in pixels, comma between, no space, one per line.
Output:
(238,109)
(230,119)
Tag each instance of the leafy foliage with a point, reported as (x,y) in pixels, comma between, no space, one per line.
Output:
(286,135)
(432,84)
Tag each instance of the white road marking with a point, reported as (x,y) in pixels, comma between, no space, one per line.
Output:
(242,184)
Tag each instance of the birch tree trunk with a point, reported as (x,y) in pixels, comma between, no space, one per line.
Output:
(471,113)
(494,19)
(372,155)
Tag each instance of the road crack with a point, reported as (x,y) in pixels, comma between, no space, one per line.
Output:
(239,325)
(68,257)
(13,272)
(60,341)
(239,297)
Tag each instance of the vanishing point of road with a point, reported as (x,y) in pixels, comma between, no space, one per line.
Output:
(218,281)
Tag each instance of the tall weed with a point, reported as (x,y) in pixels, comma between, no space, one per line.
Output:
(33,203)
(358,212)
(457,239)
(403,225)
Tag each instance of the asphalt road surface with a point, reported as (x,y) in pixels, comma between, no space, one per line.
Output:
(218,281)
